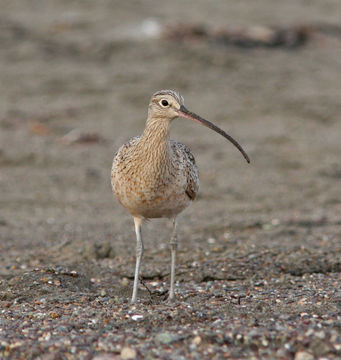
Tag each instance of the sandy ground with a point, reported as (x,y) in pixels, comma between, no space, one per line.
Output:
(259,257)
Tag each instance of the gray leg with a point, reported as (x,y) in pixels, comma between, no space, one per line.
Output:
(139,253)
(173,245)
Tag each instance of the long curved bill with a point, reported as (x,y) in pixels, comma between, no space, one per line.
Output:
(184,113)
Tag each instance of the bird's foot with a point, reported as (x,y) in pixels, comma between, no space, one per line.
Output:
(171,300)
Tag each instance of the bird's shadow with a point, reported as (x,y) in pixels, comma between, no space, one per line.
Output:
(155,297)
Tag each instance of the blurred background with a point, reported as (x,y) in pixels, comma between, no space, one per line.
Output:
(76,78)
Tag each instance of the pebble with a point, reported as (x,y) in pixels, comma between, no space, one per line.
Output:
(197,340)
(105,357)
(303,355)
(165,338)
(128,353)
(62,328)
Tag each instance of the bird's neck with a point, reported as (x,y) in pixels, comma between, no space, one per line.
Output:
(156,133)
(154,142)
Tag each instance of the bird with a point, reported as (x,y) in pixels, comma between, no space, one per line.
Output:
(154,176)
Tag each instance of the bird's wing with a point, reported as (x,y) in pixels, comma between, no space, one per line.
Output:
(189,168)
(121,152)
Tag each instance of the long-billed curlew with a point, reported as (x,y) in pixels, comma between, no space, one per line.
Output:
(156,177)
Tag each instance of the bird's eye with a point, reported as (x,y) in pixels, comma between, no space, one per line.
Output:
(164,103)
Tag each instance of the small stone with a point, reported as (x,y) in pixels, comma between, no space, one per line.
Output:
(54,315)
(62,328)
(304,315)
(197,340)
(165,338)
(124,282)
(105,357)
(265,342)
(128,353)
(320,334)
(304,355)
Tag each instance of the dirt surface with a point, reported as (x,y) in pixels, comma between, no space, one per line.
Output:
(259,256)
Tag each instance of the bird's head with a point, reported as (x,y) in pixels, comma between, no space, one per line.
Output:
(166,105)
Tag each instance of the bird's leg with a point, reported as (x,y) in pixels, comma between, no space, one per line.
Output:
(173,245)
(139,253)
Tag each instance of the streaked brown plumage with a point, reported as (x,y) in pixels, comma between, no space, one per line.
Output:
(162,182)
(154,176)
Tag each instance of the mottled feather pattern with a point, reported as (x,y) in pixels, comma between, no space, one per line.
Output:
(187,161)
(154,182)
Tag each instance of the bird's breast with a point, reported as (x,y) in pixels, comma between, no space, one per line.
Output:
(150,191)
